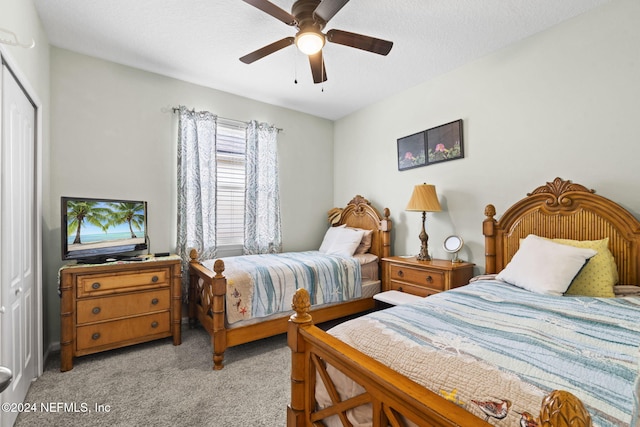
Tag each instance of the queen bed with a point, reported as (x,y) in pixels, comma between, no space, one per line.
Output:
(555,344)
(246,298)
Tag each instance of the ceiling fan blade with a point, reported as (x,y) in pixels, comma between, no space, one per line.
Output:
(267,50)
(318,70)
(273,10)
(328,8)
(359,41)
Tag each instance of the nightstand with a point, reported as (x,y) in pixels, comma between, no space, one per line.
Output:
(423,278)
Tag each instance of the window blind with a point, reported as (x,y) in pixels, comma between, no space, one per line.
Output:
(231,161)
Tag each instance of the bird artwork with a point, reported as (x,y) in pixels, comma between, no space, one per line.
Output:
(498,408)
(527,420)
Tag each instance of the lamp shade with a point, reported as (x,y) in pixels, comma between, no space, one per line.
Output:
(424,199)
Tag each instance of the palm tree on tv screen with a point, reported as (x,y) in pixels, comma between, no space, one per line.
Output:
(128,213)
(81,212)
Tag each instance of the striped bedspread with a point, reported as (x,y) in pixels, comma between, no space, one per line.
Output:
(260,285)
(497,350)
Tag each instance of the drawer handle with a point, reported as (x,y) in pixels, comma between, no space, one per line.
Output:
(429,279)
(96,310)
(95,336)
(400,289)
(154,324)
(154,301)
(154,279)
(96,285)
(400,273)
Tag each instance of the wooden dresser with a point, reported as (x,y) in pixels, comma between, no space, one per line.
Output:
(423,278)
(118,304)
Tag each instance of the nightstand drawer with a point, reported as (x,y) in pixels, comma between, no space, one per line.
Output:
(420,291)
(97,284)
(97,309)
(431,279)
(107,333)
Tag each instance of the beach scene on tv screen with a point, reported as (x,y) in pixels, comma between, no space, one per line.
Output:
(96,224)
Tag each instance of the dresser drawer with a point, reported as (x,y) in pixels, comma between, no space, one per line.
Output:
(107,333)
(112,307)
(98,284)
(430,278)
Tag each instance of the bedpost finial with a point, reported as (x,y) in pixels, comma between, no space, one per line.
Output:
(301,305)
(218,267)
(561,408)
(490,211)
(193,254)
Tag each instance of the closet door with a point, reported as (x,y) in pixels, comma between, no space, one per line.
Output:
(18,247)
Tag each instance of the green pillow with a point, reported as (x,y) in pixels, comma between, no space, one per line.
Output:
(599,275)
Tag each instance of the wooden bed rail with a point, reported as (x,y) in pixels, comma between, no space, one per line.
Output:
(393,397)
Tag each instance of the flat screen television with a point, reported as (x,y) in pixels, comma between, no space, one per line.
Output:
(99,230)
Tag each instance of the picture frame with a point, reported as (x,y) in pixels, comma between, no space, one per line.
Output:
(412,151)
(444,142)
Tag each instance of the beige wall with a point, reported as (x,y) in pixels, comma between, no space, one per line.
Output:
(565,102)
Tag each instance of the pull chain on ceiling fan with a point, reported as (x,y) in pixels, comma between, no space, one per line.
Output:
(310,17)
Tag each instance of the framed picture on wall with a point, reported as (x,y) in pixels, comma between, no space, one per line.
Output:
(412,151)
(444,142)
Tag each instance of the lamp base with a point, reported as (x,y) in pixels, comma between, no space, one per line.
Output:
(424,252)
(421,257)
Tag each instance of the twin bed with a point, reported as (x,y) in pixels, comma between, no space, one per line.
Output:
(491,353)
(235,310)
(526,344)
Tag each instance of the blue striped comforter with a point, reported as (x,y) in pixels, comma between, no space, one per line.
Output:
(260,285)
(504,344)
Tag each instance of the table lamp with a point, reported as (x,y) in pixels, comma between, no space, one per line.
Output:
(424,199)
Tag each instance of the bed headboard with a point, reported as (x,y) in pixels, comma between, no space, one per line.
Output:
(360,214)
(562,209)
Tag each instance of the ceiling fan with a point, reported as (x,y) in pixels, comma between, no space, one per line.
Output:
(310,17)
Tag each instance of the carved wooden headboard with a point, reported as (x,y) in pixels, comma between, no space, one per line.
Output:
(562,209)
(360,214)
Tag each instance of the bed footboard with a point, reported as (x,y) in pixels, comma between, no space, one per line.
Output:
(393,397)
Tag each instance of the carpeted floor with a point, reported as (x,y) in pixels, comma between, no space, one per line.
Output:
(157,384)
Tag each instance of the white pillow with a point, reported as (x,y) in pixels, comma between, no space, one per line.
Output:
(346,242)
(329,237)
(543,266)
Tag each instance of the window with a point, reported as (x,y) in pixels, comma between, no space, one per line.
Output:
(238,209)
(231,161)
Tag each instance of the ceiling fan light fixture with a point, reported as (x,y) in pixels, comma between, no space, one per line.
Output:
(309,42)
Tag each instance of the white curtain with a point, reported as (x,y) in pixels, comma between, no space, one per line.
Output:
(196,184)
(262,231)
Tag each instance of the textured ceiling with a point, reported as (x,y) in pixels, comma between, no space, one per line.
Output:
(200,41)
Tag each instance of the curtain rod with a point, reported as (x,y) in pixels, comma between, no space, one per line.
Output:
(176,109)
